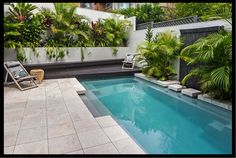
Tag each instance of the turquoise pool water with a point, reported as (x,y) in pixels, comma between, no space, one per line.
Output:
(162,121)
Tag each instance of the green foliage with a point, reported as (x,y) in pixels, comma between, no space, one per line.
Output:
(55,52)
(59,28)
(11,33)
(21,11)
(149,34)
(110,32)
(200,9)
(220,11)
(64,28)
(144,13)
(215,74)
(116,31)
(159,55)
(20,54)
(114,51)
(26,26)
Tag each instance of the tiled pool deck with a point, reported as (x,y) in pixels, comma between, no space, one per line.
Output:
(52,119)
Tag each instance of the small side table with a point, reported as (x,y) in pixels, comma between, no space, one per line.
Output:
(38,73)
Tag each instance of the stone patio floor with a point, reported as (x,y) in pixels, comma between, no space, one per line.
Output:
(52,119)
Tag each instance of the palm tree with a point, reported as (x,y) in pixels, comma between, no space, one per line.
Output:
(215,74)
(21,11)
(159,55)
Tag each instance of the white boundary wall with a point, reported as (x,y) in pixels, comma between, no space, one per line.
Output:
(137,37)
(92,15)
(90,54)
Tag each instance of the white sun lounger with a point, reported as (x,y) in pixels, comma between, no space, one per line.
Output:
(129,60)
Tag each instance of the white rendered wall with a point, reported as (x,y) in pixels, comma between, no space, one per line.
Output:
(91,54)
(138,36)
(92,15)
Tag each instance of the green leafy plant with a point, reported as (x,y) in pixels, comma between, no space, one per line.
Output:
(116,31)
(159,55)
(55,52)
(207,11)
(220,11)
(11,34)
(20,54)
(64,28)
(144,13)
(149,34)
(21,11)
(114,51)
(215,74)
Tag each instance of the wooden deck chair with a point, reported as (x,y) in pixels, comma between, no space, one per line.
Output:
(129,60)
(18,74)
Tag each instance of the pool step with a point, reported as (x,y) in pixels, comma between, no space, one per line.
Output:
(176,87)
(191,92)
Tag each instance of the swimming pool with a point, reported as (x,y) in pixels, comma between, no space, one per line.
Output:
(162,121)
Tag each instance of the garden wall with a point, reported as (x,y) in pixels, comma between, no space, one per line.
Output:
(90,54)
(92,15)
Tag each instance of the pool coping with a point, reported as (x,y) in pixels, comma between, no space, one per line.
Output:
(203,97)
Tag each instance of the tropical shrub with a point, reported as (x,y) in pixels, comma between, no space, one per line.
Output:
(11,34)
(22,28)
(199,9)
(215,73)
(63,25)
(21,11)
(59,28)
(110,32)
(144,13)
(159,53)
(116,31)
(28,25)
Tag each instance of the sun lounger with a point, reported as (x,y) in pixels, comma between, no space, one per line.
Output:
(129,60)
(18,74)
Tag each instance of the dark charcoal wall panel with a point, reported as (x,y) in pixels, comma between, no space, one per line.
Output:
(190,36)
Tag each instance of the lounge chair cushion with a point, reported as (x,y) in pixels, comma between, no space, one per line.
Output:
(18,72)
(12,64)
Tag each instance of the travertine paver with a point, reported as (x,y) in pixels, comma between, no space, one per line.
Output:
(86,125)
(65,144)
(53,119)
(102,149)
(10,135)
(9,150)
(128,146)
(106,121)
(61,130)
(93,138)
(76,152)
(31,135)
(39,147)
(115,133)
